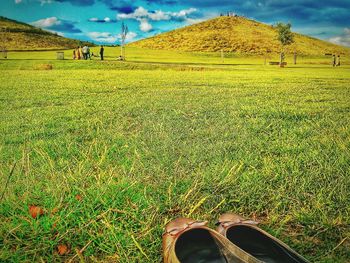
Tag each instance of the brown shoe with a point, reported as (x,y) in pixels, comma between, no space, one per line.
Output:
(255,241)
(190,241)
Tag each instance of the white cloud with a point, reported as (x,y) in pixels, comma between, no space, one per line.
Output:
(104,20)
(159,15)
(130,36)
(106,37)
(140,12)
(145,26)
(144,16)
(191,21)
(343,40)
(46,2)
(47,22)
(57,32)
(18,1)
(182,15)
(103,37)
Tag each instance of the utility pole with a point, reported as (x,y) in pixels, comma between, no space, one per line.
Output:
(125,31)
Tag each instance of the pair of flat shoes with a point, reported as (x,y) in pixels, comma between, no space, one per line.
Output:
(236,240)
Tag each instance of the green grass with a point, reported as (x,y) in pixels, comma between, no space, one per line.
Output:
(137,56)
(144,142)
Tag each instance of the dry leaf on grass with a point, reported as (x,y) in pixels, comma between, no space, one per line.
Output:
(35,211)
(78,197)
(62,249)
(54,211)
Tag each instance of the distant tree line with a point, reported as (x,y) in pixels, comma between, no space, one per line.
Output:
(2,18)
(29,30)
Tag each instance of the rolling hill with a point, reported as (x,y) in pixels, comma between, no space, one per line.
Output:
(235,34)
(16,35)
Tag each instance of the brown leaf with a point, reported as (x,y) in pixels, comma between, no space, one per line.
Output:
(35,211)
(54,211)
(62,249)
(78,197)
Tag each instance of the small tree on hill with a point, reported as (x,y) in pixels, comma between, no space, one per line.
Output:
(285,36)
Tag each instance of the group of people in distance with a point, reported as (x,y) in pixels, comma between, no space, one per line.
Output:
(84,53)
(336,62)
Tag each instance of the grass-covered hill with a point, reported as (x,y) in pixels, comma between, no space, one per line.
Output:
(235,34)
(16,35)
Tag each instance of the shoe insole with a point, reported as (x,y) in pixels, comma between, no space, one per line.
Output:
(260,246)
(198,246)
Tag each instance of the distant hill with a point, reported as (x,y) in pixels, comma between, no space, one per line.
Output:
(235,34)
(21,36)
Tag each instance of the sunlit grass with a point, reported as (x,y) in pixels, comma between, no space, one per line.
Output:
(136,56)
(143,143)
(235,34)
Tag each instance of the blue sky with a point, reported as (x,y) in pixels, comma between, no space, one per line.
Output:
(100,20)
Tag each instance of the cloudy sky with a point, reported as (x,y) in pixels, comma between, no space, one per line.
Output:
(100,20)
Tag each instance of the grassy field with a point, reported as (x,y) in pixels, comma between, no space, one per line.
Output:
(111,151)
(137,56)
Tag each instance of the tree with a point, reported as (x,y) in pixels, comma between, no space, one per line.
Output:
(125,31)
(285,36)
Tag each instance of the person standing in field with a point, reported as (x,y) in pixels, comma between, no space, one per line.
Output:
(102,50)
(74,57)
(338,64)
(85,51)
(88,53)
(334,60)
(78,54)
